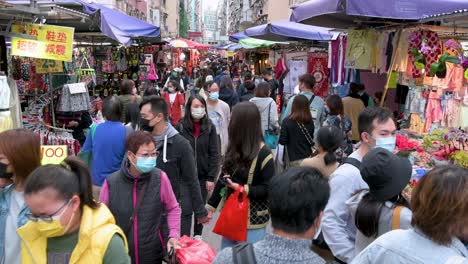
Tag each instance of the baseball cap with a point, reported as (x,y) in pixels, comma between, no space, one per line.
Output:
(386,173)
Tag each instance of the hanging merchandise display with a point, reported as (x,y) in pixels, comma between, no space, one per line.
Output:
(359,49)
(317,66)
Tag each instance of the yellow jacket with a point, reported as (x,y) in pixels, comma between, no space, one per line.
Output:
(96,230)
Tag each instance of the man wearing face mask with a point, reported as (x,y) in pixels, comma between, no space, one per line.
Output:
(176,159)
(376,129)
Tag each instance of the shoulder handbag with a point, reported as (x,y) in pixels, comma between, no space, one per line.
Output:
(243,253)
(270,135)
(396,217)
(308,137)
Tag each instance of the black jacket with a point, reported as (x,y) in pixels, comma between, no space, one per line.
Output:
(84,122)
(246,97)
(294,139)
(182,172)
(205,148)
(228,96)
(121,191)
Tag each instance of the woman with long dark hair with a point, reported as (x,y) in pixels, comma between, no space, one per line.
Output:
(329,139)
(66,223)
(246,152)
(336,118)
(198,129)
(297,131)
(382,207)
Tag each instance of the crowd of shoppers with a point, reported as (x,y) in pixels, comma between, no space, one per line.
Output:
(161,165)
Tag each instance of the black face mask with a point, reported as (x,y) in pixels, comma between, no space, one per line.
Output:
(145,126)
(3,172)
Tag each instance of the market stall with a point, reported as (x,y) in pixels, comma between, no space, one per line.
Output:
(53,69)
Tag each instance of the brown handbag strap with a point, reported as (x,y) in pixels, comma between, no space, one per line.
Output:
(396,217)
(138,204)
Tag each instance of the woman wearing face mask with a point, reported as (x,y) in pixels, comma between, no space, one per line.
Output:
(138,195)
(66,224)
(198,129)
(175,102)
(20,154)
(219,113)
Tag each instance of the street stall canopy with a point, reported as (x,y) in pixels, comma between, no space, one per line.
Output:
(258,43)
(286,30)
(120,26)
(237,36)
(350,13)
(186,43)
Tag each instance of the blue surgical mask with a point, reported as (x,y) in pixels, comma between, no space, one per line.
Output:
(170,90)
(388,143)
(145,165)
(214,96)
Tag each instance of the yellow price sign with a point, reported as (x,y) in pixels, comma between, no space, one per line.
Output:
(53,42)
(53,154)
(48,66)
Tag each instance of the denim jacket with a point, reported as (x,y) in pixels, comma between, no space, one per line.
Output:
(5,196)
(411,247)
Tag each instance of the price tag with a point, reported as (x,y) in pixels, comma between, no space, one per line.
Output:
(48,66)
(53,154)
(77,88)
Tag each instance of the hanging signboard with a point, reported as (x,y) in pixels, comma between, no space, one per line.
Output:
(53,42)
(48,66)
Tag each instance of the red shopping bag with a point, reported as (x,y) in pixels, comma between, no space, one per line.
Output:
(194,251)
(232,222)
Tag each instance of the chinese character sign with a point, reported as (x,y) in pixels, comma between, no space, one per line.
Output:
(53,42)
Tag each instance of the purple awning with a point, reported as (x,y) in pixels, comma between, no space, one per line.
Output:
(119,26)
(286,30)
(237,36)
(347,13)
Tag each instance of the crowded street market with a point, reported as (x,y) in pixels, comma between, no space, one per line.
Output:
(217,131)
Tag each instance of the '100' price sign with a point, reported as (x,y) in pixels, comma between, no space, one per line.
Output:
(53,154)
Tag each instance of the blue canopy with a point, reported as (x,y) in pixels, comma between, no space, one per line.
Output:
(238,36)
(349,13)
(286,30)
(119,26)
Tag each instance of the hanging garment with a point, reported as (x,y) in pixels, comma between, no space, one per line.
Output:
(452,112)
(317,66)
(359,49)
(338,50)
(433,110)
(6,122)
(430,40)
(296,69)
(73,101)
(381,58)
(454,79)
(401,52)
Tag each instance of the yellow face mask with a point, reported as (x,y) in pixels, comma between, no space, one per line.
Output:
(51,228)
